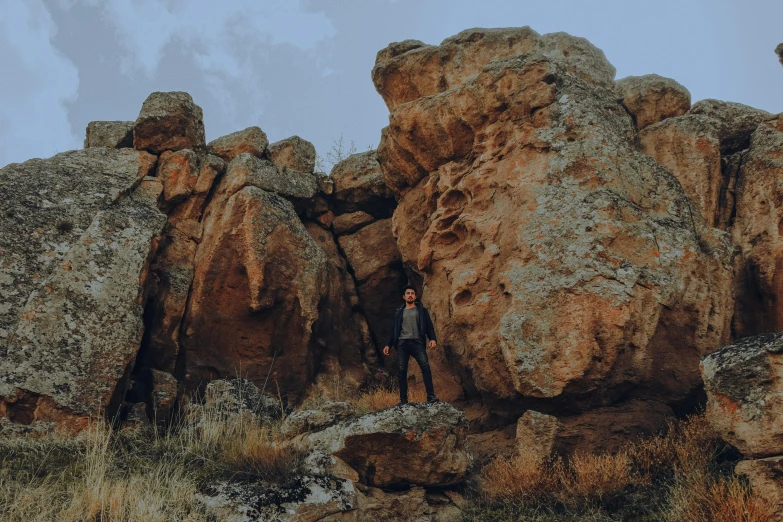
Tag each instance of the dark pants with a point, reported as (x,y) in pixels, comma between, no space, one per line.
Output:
(405,349)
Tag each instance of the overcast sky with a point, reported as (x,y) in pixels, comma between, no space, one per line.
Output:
(303,67)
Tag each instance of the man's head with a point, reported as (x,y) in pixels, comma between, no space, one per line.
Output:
(409,294)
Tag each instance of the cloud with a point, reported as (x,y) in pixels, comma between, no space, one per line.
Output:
(37,83)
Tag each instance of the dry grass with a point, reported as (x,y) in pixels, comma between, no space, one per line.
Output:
(673,477)
(138,476)
(382,398)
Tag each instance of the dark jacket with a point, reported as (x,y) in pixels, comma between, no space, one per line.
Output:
(425,325)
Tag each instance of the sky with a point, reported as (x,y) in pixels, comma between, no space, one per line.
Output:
(303,66)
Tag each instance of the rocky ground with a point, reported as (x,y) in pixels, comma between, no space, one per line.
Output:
(599,256)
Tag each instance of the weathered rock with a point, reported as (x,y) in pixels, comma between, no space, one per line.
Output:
(370,249)
(251,141)
(77,233)
(246,170)
(744,384)
(756,231)
(536,433)
(374,258)
(409,70)
(193,207)
(599,430)
(689,147)
(315,420)
(349,223)
(413,505)
(766,480)
(557,259)
(293,153)
(258,285)
(734,122)
(359,186)
(237,397)
(652,98)
(305,499)
(178,171)
(433,439)
(169,121)
(110,134)
(173,268)
(163,395)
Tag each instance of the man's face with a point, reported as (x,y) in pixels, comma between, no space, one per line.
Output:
(409,296)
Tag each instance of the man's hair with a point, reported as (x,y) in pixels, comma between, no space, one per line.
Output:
(410,287)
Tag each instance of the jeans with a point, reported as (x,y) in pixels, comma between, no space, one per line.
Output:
(405,349)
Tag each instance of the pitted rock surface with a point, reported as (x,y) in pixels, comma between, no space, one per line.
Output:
(557,259)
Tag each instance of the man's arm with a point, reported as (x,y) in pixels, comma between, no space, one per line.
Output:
(430,329)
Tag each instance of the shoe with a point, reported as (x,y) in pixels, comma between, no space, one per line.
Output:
(432,400)
(402,403)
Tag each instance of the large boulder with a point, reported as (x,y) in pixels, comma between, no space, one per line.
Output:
(419,444)
(246,169)
(258,283)
(293,153)
(78,232)
(359,186)
(757,233)
(251,141)
(178,171)
(652,98)
(110,134)
(558,260)
(744,384)
(169,121)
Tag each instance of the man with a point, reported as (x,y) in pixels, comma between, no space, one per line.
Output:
(411,328)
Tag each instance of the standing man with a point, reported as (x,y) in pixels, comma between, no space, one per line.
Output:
(410,331)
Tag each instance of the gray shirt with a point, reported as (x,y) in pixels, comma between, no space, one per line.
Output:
(410,324)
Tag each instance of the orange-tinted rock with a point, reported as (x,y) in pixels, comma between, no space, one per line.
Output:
(293,153)
(734,122)
(178,171)
(169,121)
(557,259)
(689,147)
(163,395)
(766,480)
(252,141)
(193,207)
(744,385)
(341,334)
(374,258)
(348,223)
(359,186)
(757,232)
(258,283)
(652,98)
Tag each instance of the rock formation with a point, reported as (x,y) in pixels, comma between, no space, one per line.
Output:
(561,264)
(581,242)
(744,384)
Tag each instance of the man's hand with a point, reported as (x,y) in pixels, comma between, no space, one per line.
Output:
(385,350)
(433,344)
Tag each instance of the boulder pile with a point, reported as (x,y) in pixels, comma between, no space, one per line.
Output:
(581,242)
